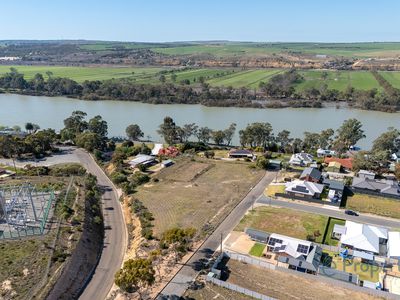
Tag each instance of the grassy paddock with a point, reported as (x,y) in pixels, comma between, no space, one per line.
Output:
(284,221)
(375,205)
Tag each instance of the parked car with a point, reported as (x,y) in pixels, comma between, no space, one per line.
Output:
(351,212)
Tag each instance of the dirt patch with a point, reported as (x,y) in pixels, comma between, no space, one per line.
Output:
(282,285)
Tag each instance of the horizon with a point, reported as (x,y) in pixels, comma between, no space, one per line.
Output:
(160,22)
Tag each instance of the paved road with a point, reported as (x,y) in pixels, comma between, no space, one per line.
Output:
(115,239)
(190,270)
(331,212)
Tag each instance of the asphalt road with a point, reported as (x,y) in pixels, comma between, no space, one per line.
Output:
(331,212)
(115,239)
(190,270)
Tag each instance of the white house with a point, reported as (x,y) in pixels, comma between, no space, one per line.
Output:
(304,188)
(394,244)
(142,159)
(325,152)
(301,159)
(362,237)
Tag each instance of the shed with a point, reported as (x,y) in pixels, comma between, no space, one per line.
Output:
(167,163)
(275,164)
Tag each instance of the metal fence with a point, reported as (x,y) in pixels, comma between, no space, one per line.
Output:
(250,260)
(237,288)
(307,199)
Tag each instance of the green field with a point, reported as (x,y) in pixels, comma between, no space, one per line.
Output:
(392,77)
(81,74)
(250,78)
(339,80)
(234,49)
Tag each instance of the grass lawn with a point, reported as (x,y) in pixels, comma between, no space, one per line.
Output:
(393,78)
(375,205)
(257,249)
(284,221)
(328,239)
(272,189)
(196,193)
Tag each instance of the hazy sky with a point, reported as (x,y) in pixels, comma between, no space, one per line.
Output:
(172,20)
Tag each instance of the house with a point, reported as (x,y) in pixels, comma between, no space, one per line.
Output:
(334,166)
(311,174)
(275,164)
(361,237)
(336,189)
(142,159)
(384,187)
(301,159)
(325,152)
(346,163)
(304,189)
(366,174)
(295,254)
(156,149)
(241,153)
(393,250)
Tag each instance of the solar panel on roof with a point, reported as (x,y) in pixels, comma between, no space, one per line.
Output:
(273,241)
(300,189)
(302,249)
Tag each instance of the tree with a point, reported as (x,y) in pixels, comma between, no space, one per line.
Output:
(173,77)
(256,135)
(76,122)
(283,138)
(134,132)
(203,134)
(397,171)
(162,78)
(348,134)
(387,141)
(168,130)
(262,162)
(136,274)
(311,140)
(325,138)
(90,141)
(99,126)
(187,131)
(218,136)
(229,132)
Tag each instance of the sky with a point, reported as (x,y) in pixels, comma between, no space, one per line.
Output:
(173,20)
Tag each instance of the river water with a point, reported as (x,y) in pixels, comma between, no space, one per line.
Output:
(49,112)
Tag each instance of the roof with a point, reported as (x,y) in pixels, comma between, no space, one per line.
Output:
(156,149)
(335,164)
(334,184)
(312,172)
(291,246)
(304,187)
(305,157)
(339,228)
(167,162)
(140,159)
(275,161)
(240,152)
(364,255)
(345,162)
(394,244)
(257,234)
(386,186)
(365,172)
(362,236)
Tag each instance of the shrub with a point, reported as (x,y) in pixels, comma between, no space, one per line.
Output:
(67,170)
(118,178)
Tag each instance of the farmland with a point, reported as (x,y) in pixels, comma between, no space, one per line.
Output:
(393,78)
(186,194)
(288,222)
(249,79)
(81,74)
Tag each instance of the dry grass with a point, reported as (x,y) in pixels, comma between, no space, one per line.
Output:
(273,189)
(375,205)
(282,285)
(284,221)
(193,193)
(211,291)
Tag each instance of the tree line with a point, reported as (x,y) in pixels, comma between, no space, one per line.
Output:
(280,87)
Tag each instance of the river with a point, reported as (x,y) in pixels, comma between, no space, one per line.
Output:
(49,112)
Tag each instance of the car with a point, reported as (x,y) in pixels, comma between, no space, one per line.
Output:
(351,212)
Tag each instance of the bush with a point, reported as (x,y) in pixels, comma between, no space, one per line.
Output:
(67,170)
(118,178)
(262,162)
(139,178)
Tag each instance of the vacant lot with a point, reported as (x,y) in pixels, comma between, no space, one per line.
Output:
(211,291)
(375,205)
(272,189)
(284,221)
(194,193)
(282,285)
(23,264)
(81,74)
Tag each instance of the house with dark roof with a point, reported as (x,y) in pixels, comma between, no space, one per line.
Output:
(336,189)
(379,187)
(304,189)
(311,174)
(241,153)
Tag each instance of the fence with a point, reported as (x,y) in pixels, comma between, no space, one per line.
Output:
(236,288)
(250,260)
(307,199)
(373,193)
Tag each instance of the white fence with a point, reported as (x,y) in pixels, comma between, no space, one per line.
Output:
(250,260)
(239,289)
